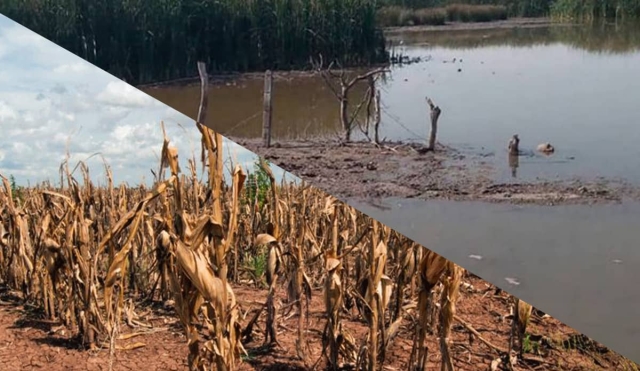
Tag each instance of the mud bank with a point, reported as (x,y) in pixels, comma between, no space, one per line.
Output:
(466,26)
(364,170)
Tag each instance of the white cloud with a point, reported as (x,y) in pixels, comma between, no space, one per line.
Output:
(118,93)
(51,99)
(6,112)
(77,67)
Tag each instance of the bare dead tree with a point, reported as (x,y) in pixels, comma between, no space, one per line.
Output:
(435,115)
(345,84)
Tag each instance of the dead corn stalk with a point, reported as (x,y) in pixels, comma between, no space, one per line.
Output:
(431,268)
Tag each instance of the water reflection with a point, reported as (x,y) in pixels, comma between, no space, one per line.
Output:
(595,38)
(303,106)
(514,162)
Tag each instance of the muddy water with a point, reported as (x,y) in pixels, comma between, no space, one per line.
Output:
(578,263)
(575,87)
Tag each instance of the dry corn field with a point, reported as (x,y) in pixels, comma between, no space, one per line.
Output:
(200,275)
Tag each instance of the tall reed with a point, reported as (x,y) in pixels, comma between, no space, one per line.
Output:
(589,10)
(145,41)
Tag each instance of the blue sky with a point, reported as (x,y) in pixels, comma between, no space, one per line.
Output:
(50,98)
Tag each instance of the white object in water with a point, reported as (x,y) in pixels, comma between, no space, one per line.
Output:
(546,148)
(512,281)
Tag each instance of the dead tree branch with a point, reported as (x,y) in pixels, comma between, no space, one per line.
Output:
(435,115)
(341,92)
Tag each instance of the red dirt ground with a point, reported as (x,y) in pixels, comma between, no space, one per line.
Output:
(30,343)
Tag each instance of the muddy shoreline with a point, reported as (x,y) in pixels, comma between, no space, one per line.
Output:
(466,26)
(362,170)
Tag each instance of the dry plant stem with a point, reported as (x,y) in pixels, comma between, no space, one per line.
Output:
(447,312)
(196,283)
(407,270)
(273,263)
(333,294)
(435,115)
(300,283)
(373,302)
(524,315)
(514,325)
(521,315)
(432,267)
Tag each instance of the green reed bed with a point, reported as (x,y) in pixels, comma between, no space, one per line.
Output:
(146,41)
(589,10)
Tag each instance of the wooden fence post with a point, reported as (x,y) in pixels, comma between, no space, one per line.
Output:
(204,91)
(266,113)
(435,115)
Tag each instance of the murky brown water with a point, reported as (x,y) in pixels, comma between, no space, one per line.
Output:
(303,106)
(572,86)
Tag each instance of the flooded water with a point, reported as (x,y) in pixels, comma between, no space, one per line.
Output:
(577,263)
(576,87)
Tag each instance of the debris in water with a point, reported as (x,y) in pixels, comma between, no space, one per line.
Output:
(616,261)
(476,257)
(512,281)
